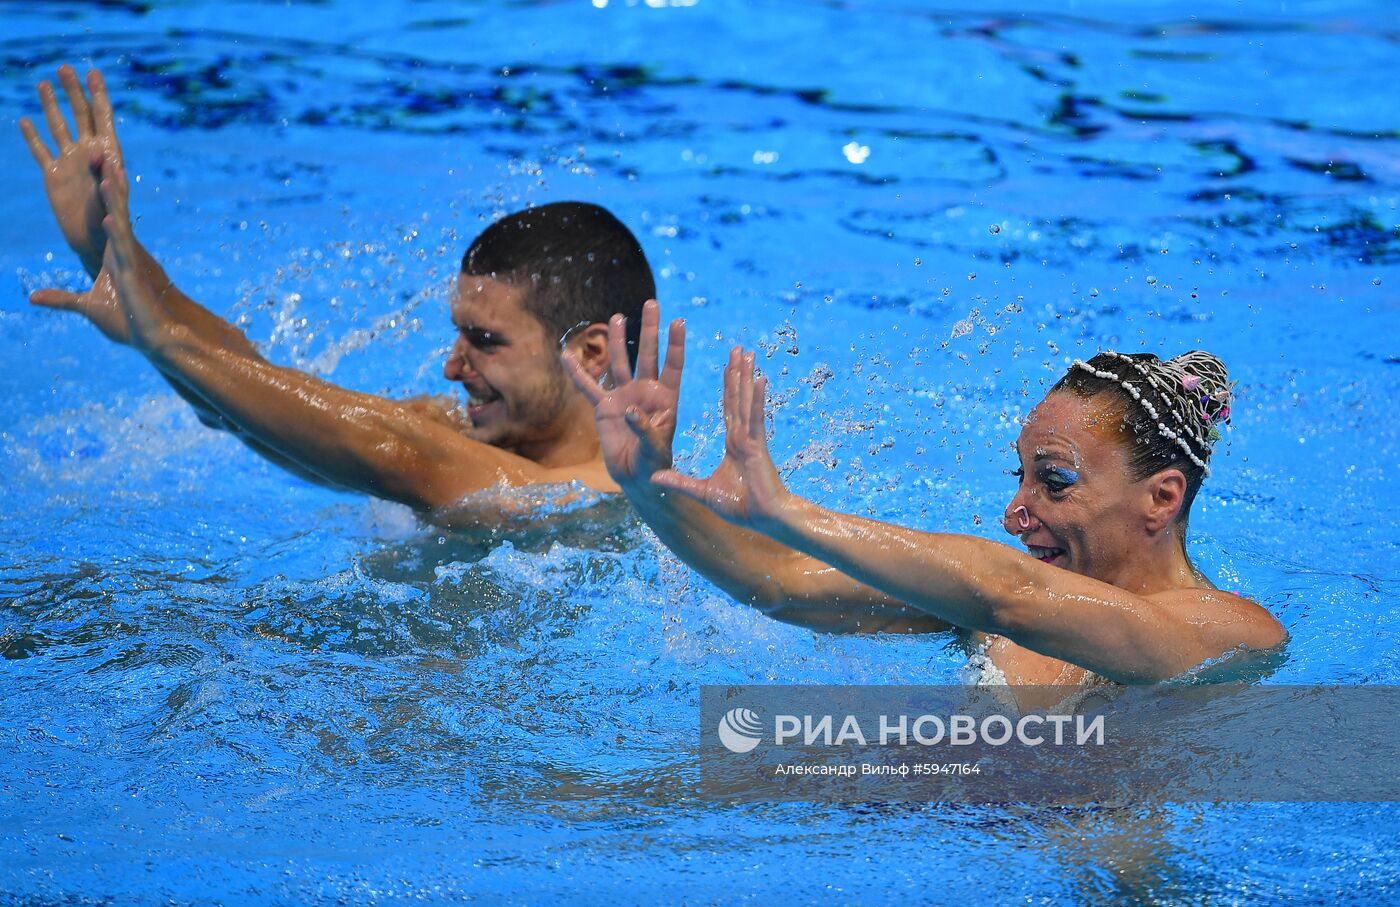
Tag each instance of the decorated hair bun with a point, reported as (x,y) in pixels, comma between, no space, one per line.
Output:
(1207,385)
(1188,397)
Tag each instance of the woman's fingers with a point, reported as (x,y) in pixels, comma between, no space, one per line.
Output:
(730,395)
(689,486)
(745,392)
(757,427)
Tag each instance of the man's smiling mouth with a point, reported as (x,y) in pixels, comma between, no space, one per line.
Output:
(477,401)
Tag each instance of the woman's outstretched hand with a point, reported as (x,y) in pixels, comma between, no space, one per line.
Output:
(637,418)
(745,489)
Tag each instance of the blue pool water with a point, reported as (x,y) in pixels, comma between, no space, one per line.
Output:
(223,684)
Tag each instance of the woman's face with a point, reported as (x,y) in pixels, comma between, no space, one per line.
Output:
(1075,506)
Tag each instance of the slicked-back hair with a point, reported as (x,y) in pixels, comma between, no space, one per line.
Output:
(575,262)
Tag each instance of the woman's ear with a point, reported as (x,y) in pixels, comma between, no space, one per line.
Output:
(1168,490)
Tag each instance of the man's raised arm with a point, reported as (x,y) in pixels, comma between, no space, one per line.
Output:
(411,452)
(71,175)
(358,441)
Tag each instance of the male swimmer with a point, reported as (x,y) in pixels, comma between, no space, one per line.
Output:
(530,282)
(1110,463)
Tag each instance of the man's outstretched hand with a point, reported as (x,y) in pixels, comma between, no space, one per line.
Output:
(637,418)
(71,173)
(136,299)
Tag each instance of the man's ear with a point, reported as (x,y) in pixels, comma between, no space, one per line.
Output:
(590,346)
(1168,493)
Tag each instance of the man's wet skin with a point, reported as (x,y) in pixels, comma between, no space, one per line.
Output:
(525,425)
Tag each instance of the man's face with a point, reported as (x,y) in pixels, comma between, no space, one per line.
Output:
(516,390)
(1081,510)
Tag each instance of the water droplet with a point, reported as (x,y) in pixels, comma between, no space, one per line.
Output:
(994,229)
(1094,291)
(918,262)
(1151,281)
(1375,281)
(972,276)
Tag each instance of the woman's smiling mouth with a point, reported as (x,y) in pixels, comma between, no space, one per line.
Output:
(1045,555)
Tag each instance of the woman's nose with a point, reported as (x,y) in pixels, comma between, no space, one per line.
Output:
(1017,519)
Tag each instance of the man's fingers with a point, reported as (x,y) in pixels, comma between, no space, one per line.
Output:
(102,117)
(112,160)
(77,99)
(617,351)
(37,146)
(582,380)
(648,342)
(640,425)
(650,429)
(58,126)
(56,299)
(675,356)
(117,223)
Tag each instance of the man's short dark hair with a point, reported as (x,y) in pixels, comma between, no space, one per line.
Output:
(576,262)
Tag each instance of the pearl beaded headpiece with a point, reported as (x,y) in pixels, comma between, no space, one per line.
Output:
(1190,395)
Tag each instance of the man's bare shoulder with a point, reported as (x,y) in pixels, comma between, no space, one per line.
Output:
(439,408)
(592,474)
(518,507)
(512,469)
